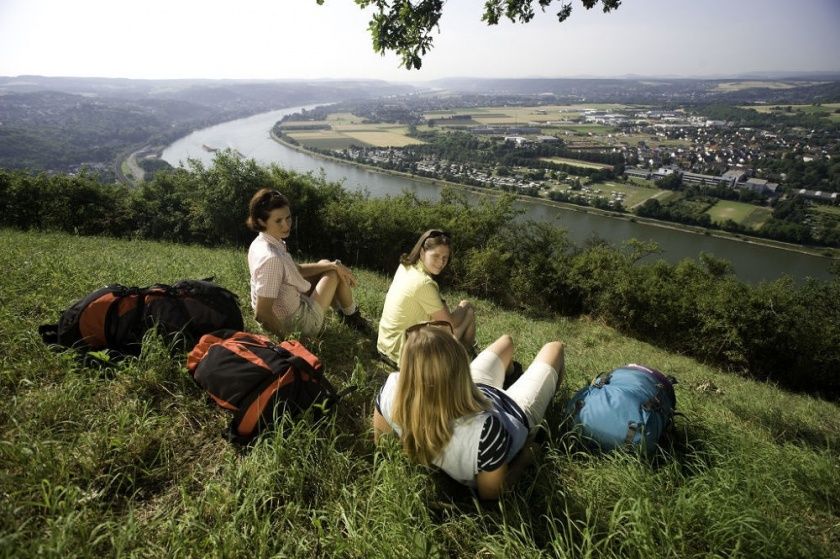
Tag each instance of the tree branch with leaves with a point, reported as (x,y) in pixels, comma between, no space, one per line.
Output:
(405,26)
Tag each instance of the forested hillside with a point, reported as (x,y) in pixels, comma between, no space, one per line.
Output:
(60,124)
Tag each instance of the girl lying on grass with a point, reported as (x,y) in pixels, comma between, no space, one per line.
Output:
(453,414)
(285,296)
(414,296)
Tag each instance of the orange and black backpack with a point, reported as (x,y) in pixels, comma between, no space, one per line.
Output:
(258,380)
(116,317)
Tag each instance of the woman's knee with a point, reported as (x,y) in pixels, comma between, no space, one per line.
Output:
(553,353)
(503,347)
(470,315)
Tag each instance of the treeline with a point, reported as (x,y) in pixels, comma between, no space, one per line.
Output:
(820,174)
(750,117)
(785,225)
(781,331)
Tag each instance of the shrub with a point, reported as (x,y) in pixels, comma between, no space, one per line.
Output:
(778,331)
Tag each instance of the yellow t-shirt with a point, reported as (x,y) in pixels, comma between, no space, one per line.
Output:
(413,297)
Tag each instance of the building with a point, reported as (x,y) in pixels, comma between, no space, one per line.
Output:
(733,176)
(818,195)
(636,172)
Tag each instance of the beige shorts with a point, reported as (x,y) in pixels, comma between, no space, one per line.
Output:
(533,391)
(308,319)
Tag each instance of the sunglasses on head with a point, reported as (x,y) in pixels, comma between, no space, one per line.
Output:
(438,233)
(434,323)
(270,197)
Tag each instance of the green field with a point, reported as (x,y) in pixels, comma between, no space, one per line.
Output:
(576,162)
(828,210)
(598,129)
(739,212)
(653,141)
(129,462)
(303,124)
(337,143)
(633,194)
(691,206)
(523,115)
(342,136)
(829,109)
(751,84)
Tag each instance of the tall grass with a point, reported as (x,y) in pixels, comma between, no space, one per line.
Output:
(130,462)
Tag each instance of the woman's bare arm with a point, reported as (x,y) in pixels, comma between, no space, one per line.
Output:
(380,426)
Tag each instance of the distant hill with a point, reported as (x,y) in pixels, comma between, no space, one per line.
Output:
(59,124)
(654,90)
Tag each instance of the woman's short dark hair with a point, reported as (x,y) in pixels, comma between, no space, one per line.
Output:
(261,205)
(429,240)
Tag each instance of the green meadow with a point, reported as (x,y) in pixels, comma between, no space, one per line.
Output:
(748,215)
(129,461)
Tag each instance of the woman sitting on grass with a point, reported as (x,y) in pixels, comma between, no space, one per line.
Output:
(454,414)
(414,297)
(287,297)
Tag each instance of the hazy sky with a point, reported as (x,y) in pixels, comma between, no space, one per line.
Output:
(299,39)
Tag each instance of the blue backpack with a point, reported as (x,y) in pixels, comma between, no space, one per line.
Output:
(630,407)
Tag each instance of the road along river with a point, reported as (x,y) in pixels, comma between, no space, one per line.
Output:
(251,138)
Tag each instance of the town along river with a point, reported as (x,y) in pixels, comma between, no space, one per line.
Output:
(251,138)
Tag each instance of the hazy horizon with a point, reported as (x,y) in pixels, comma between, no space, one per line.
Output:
(298,39)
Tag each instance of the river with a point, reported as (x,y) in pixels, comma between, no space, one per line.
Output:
(251,137)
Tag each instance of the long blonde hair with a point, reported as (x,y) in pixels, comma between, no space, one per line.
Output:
(434,389)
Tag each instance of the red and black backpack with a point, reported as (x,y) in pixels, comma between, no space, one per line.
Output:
(258,380)
(116,317)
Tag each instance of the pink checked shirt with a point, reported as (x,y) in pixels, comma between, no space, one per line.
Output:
(275,275)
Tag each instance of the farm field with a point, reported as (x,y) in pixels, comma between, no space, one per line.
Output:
(363,135)
(826,216)
(653,141)
(749,84)
(576,162)
(828,210)
(598,129)
(384,137)
(303,124)
(324,139)
(739,212)
(667,196)
(523,115)
(633,195)
(828,108)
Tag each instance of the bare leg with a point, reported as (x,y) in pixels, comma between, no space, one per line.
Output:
(341,293)
(503,347)
(463,323)
(344,295)
(553,354)
(325,290)
(535,389)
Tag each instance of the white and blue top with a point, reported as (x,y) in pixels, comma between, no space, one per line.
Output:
(480,442)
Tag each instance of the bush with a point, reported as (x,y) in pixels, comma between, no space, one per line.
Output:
(778,331)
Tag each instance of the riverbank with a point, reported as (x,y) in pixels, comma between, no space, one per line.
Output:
(825,252)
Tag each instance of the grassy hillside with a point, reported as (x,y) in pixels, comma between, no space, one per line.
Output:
(130,462)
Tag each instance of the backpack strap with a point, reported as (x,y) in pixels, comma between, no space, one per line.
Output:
(632,427)
(49,333)
(120,293)
(602,380)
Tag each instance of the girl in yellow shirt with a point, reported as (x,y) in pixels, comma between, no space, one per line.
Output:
(414,297)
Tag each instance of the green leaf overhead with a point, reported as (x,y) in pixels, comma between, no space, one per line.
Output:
(405,26)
